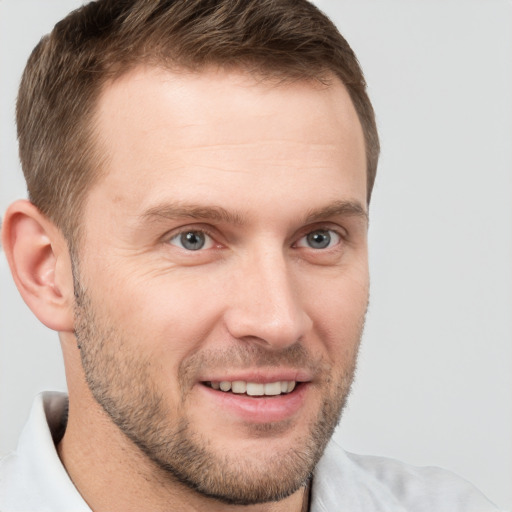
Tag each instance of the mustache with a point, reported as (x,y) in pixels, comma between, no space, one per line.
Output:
(244,355)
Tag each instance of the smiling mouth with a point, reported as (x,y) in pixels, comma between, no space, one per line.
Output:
(241,387)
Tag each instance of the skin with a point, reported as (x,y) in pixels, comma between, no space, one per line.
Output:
(257,167)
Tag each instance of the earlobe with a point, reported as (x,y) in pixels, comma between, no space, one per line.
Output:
(40,264)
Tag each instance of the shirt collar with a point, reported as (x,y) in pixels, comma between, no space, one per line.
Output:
(37,458)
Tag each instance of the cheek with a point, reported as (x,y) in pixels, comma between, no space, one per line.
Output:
(167,316)
(340,313)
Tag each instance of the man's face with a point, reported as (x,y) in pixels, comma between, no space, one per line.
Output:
(225,247)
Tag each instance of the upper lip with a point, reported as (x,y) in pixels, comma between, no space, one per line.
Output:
(259,376)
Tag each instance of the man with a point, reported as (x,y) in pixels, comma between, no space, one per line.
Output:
(199,177)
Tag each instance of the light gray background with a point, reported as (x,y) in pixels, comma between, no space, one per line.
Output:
(434,385)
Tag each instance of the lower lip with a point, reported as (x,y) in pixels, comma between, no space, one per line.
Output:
(262,409)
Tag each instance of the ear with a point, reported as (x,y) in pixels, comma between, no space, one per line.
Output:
(40,264)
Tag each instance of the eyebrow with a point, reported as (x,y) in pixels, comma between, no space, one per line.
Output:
(335,209)
(175,211)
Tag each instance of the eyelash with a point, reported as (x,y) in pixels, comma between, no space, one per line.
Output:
(329,231)
(200,229)
(341,236)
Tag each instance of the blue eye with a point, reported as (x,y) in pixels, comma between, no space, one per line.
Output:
(192,240)
(319,239)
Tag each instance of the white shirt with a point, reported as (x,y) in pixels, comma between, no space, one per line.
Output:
(32,479)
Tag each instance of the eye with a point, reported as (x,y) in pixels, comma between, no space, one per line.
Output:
(320,239)
(192,240)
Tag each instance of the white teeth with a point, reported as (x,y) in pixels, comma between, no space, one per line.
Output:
(273,388)
(239,386)
(225,385)
(255,388)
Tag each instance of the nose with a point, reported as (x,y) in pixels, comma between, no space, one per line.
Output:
(266,306)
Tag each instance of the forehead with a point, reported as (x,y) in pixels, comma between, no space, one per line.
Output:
(178,133)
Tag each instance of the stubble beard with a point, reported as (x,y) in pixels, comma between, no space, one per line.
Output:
(121,383)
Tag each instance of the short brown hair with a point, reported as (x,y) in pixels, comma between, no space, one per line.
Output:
(65,74)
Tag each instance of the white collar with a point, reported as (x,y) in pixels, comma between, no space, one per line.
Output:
(33,478)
